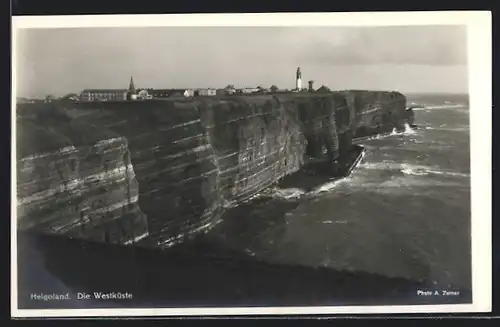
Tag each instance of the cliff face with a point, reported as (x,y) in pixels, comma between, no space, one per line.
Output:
(180,162)
(80,190)
(377,112)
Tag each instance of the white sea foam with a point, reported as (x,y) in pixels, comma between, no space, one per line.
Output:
(328,186)
(441,107)
(448,173)
(334,221)
(137,238)
(410,169)
(404,184)
(449,129)
(288,193)
(408,130)
(383,165)
(250,252)
(278,193)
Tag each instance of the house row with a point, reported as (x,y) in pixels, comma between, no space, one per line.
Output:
(125,94)
(132,93)
(167,93)
(143,94)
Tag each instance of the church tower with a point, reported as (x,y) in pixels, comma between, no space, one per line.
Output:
(131,93)
(298,80)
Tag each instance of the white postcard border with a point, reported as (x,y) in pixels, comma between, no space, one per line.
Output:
(480,90)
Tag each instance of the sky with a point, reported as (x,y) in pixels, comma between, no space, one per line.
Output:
(409,59)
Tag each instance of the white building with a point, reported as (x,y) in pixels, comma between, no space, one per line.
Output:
(103,95)
(298,79)
(143,94)
(205,92)
(249,90)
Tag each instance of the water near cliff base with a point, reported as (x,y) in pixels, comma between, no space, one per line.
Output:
(404,212)
(400,221)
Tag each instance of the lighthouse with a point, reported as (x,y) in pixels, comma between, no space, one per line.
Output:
(298,80)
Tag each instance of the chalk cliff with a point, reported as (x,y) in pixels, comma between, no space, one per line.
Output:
(154,172)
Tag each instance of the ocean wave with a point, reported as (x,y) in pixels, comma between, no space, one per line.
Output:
(407,131)
(287,193)
(358,179)
(441,107)
(383,165)
(334,221)
(410,169)
(292,194)
(448,173)
(328,186)
(451,129)
(404,185)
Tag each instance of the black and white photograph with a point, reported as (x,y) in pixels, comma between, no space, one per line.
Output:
(251,164)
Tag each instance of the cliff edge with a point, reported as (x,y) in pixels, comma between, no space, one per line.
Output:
(154,172)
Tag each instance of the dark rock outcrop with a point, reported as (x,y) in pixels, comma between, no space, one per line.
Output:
(375,113)
(119,171)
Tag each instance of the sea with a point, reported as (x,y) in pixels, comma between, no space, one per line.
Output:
(403,214)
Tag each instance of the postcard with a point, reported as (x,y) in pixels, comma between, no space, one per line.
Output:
(265,164)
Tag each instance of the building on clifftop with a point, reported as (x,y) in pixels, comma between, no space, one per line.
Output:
(170,93)
(205,92)
(103,95)
(144,95)
(298,79)
(131,92)
(110,94)
(311,86)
